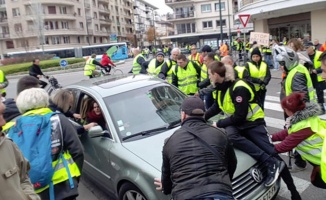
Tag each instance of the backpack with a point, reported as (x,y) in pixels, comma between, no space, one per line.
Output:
(32,134)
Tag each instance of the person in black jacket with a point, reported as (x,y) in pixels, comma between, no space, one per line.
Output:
(23,83)
(36,71)
(244,123)
(190,170)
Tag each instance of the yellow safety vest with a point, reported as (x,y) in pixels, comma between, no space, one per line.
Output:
(152,69)
(240,70)
(136,67)
(89,67)
(187,78)
(2,79)
(289,79)
(196,59)
(203,72)
(258,73)
(169,73)
(317,64)
(311,148)
(216,58)
(227,106)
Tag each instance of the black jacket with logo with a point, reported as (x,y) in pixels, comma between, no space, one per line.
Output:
(190,169)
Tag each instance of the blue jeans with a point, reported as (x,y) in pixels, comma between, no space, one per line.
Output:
(276,65)
(268,60)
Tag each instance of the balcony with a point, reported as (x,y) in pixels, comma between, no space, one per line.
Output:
(181,16)
(3,20)
(68,31)
(57,2)
(247,2)
(66,16)
(105,21)
(175,2)
(87,6)
(101,33)
(4,35)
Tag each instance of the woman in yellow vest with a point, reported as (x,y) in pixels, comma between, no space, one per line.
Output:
(35,101)
(305,132)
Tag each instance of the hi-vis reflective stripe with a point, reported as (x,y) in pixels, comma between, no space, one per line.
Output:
(182,85)
(250,113)
(312,152)
(311,142)
(204,71)
(188,77)
(61,165)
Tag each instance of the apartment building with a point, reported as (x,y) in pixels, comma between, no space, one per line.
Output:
(34,24)
(145,17)
(198,21)
(287,18)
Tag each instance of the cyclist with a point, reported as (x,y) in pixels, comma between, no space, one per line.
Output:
(106,61)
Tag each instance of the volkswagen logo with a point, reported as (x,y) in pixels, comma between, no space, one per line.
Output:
(256,174)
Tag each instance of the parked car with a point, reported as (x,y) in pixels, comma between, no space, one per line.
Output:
(124,156)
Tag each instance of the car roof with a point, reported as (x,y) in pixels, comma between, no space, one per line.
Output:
(113,84)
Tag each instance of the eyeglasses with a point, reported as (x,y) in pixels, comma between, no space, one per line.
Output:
(193,49)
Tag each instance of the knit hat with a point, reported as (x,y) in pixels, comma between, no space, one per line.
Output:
(160,53)
(294,102)
(308,44)
(193,106)
(255,51)
(206,48)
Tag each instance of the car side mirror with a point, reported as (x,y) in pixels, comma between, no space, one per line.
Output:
(95,131)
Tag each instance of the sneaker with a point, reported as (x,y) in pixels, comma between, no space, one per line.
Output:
(274,172)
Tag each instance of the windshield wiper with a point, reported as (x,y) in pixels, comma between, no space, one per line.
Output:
(148,132)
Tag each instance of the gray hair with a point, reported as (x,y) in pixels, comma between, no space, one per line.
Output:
(61,99)
(31,99)
(176,49)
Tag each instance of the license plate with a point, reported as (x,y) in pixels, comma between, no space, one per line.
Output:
(269,194)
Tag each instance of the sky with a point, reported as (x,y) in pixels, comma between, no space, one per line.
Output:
(163,9)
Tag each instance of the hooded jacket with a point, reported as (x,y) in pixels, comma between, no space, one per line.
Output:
(289,142)
(11,110)
(14,181)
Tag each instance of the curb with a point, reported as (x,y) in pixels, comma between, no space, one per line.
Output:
(61,71)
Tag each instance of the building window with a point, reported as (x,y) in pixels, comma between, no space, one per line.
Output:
(95,15)
(217,6)
(55,40)
(186,28)
(24,43)
(94,39)
(64,25)
(63,10)
(81,25)
(79,12)
(206,8)
(10,45)
(66,39)
(208,24)
(218,22)
(15,12)
(46,40)
(18,27)
(96,27)
(78,39)
(52,10)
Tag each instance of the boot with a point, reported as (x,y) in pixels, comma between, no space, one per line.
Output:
(273,172)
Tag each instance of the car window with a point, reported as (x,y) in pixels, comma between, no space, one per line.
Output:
(144,109)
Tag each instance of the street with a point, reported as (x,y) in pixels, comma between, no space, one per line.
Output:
(274,120)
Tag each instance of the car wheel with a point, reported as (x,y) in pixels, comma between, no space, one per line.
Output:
(130,192)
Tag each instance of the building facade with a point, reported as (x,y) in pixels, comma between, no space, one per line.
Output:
(287,18)
(34,24)
(199,21)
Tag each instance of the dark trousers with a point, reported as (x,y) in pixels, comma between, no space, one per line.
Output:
(255,142)
(209,100)
(107,68)
(43,83)
(320,86)
(261,94)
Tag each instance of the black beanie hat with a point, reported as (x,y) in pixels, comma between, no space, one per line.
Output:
(255,51)
(193,106)
(160,53)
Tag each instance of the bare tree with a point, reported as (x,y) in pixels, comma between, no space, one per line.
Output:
(131,39)
(150,34)
(22,38)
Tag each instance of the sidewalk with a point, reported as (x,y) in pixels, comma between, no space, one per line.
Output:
(276,74)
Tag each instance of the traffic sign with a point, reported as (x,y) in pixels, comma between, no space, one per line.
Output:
(244,19)
(63,63)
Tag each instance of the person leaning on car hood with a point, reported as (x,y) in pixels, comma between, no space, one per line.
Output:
(211,178)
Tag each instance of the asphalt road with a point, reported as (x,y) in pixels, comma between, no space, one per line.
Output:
(274,119)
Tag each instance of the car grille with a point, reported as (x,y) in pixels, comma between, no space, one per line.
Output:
(244,184)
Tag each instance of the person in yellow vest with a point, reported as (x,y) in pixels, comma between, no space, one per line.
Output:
(322,59)
(266,50)
(36,101)
(137,61)
(244,122)
(3,84)
(315,73)
(167,68)
(185,75)
(260,75)
(305,132)
(195,56)
(239,71)
(90,67)
(153,66)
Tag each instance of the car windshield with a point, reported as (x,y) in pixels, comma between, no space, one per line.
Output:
(145,109)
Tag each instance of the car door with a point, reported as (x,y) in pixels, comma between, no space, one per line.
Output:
(96,150)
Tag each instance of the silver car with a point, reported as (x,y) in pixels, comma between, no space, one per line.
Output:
(123,156)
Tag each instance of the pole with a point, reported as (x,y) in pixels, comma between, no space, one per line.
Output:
(88,40)
(230,36)
(154,27)
(221,25)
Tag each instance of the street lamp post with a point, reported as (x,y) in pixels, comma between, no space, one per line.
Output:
(154,27)
(221,21)
(36,9)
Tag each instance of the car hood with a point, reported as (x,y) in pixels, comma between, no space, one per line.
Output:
(150,150)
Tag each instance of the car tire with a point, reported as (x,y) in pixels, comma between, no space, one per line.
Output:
(129,191)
